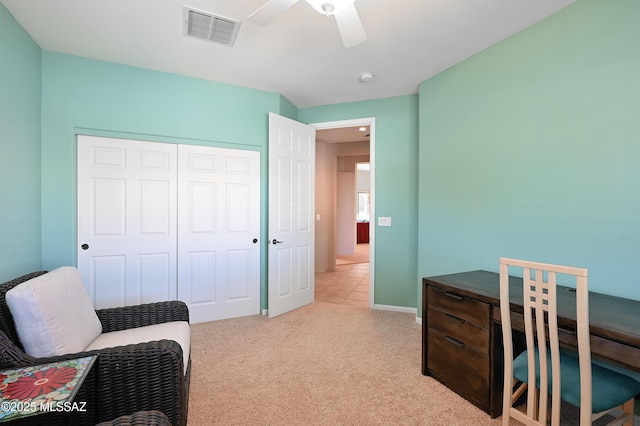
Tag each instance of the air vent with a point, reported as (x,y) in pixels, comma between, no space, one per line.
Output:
(207,26)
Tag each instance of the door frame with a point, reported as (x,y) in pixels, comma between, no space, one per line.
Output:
(371,122)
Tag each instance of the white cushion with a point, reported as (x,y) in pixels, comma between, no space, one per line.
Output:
(53,313)
(177,331)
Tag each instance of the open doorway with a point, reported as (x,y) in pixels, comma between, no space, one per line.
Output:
(344,208)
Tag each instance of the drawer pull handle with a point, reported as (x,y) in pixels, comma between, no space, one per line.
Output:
(453,296)
(455,341)
(455,318)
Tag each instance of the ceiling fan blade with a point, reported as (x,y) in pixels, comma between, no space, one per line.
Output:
(350,26)
(270,11)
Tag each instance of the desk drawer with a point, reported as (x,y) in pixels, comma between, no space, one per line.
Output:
(460,367)
(471,310)
(460,329)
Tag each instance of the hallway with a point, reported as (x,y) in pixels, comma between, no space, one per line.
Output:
(349,283)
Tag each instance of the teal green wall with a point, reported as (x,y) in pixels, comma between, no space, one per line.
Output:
(20,82)
(87,96)
(396,190)
(531,149)
(287,109)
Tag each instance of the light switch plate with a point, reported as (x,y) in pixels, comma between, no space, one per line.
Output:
(384,221)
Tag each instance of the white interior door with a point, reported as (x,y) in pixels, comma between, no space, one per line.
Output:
(126,220)
(218,229)
(291,214)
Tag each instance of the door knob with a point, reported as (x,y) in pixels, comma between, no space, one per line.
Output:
(85,246)
(274,241)
(255,240)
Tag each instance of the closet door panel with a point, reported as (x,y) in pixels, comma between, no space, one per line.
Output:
(127,220)
(201,285)
(219,219)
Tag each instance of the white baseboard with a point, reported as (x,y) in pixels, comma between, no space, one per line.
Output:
(265,312)
(396,309)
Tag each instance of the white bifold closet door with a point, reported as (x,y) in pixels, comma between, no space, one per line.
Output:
(219,231)
(161,221)
(127,220)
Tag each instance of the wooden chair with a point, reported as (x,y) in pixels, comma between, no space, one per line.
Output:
(561,374)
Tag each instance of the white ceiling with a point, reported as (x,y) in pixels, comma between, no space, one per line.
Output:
(343,134)
(300,54)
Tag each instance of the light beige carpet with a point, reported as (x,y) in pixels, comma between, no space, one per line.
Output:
(323,364)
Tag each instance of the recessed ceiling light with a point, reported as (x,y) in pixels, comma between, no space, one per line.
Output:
(362,129)
(366,77)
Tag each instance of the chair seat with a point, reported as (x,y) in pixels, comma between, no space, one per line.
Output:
(178,331)
(609,388)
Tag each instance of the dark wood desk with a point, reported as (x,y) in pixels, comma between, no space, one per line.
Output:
(462,336)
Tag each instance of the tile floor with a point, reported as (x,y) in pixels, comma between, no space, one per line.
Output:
(348,285)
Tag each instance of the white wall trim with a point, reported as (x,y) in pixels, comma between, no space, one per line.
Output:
(393,308)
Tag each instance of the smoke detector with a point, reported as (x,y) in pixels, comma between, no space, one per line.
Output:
(365,77)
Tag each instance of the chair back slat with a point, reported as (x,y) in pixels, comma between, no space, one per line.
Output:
(584,349)
(542,339)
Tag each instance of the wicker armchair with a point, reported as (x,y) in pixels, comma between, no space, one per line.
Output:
(124,379)
(140,418)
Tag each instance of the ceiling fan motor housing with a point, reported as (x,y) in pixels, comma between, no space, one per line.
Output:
(344,12)
(330,8)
